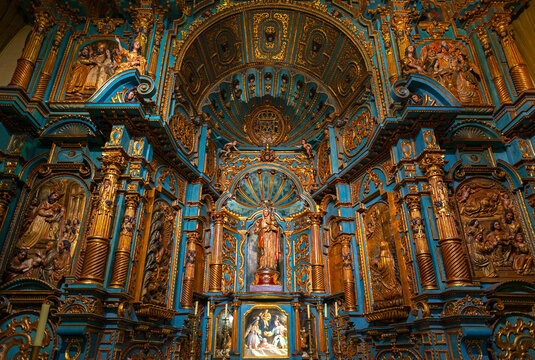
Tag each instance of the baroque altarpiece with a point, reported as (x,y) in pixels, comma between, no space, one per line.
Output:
(296,179)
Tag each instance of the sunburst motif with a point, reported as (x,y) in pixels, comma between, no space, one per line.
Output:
(267,187)
(73,129)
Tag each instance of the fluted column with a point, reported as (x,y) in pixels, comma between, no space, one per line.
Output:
(297,326)
(321,328)
(189,272)
(349,281)
(155,49)
(98,240)
(217,247)
(122,253)
(26,64)
(316,258)
(389,53)
(424,260)
(453,255)
(495,71)
(518,69)
(48,67)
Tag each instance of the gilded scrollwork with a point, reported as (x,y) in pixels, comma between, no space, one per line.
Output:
(16,340)
(356,131)
(323,162)
(516,341)
(229,262)
(183,131)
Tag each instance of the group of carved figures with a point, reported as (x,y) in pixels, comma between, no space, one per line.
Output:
(495,237)
(47,238)
(99,61)
(449,65)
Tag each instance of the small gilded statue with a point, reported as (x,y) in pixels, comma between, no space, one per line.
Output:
(133,58)
(268,231)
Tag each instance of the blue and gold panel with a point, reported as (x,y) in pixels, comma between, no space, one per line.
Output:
(230,278)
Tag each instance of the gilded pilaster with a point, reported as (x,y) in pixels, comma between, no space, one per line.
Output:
(6,195)
(389,53)
(495,71)
(155,49)
(401,24)
(349,281)
(454,258)
(518,69)
(424,260)
(26,64)
(142,21)
(98,240)
(316,259)
(48,67)
(216,267)
(122,254)
(297,326)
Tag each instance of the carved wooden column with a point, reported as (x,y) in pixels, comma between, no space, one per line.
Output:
(495,71)
(316,259)
(6,195)
(321,328)
(26,64)
(517,68)
(98,240)
(217,246)
(349,281)
(453,255)
(122,253)
(155,49)
(189,272)
(235,308)
(389,53)
(297,326)
(424,260)
(48,67)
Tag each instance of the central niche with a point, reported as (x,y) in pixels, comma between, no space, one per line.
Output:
(267,125)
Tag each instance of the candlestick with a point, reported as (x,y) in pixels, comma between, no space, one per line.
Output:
(325,310)
(208,307)
(226,310)
(336,308)
(196,306)
(41,325)
(308,311)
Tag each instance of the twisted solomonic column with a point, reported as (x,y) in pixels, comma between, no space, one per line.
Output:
(98,240)
(453,255)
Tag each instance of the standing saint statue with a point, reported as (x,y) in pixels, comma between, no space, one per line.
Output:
(268,233)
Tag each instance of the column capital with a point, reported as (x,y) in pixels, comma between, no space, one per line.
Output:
(432,164)
(132,200)
(413,201)
(316,218)
(218,216)
(113,160)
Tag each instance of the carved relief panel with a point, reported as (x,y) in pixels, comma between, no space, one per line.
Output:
(384,277)
(49,231)
(495,234)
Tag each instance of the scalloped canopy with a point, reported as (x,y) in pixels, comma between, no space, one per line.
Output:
(266,187)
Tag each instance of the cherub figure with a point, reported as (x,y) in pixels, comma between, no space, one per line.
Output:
(308,148)
(227,149)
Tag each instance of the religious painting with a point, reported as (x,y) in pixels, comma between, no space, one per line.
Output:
(49,232)
(95,63)
(447,62)
(495,237)
(265,333)
(382,258)
(159,254)
(264,253)
(223,334)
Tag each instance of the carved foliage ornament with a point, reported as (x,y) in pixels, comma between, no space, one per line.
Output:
(16,338)
(183,131)
(356,131)
(517,340)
